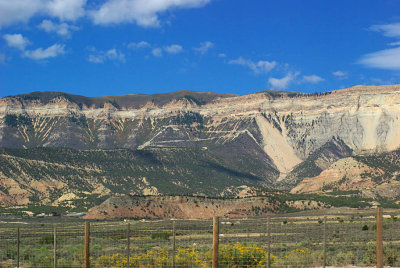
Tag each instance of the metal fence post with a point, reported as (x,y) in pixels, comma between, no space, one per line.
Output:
(55,248)
(269,242)
(173,244)
(87,245)
(379,239)
(128,253)
(18,242)
(324,242)
(215,242)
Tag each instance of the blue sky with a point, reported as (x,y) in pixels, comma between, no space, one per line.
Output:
(114,47)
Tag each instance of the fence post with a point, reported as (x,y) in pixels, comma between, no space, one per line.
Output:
(173,244)
(269,241)
(18,241)
(379,239)
(215,242)
(55,247)
(87,245)
(324,242)
(128,253)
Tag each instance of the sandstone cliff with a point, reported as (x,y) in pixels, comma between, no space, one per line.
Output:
(272,137)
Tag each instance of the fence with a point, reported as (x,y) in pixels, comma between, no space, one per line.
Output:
(277,241)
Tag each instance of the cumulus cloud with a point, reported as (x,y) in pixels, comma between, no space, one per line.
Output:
(157,52)
(389,30)
(62,29)
(141,44)
(388,59)
(173,49)
(41,54)
(66,9)
(314,79)
(102,56)
(16,11)
(284,82)
(16,41)
(257,67)
(143,12)
(204,47)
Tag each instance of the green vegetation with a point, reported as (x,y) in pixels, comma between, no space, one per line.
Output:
(13,120)
(161,235)
(333,150)
(297,242)
(196,170)
(388,162)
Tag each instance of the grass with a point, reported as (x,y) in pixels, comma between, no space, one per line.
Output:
(242,242)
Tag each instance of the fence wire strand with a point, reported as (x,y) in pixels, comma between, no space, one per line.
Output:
(289,241)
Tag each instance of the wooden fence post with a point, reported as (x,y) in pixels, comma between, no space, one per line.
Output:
(269,241)
(173,244)
(324,242)
(128,253)
(55,247)
(87,245)
(215,242)
(18,242)
(379,238)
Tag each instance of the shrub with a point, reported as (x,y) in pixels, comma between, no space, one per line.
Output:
(46,240)
(242,255)
(296,258)
(161,235)
(189,257)
(343,258)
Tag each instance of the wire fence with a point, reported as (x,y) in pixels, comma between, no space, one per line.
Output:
(276,241)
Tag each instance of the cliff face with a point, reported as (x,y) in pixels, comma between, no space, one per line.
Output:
(287,126)
(281,130)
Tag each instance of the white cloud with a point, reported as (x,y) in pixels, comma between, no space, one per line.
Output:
(257,67)
(143,12)
(62,29)
(157,52)
(111,54)
(173,49)
(222,55)
(66,9)
(284,82)
(16,11)
(204,47)
(312,79)
(16,40)
(388,59)
(339,73)
(389,30)
(13,11)
(41,54)
(141,44)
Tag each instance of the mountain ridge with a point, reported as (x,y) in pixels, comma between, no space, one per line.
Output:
(282,138)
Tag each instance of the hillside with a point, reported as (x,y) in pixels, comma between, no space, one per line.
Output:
(374,175)
(62,149)
(57,176)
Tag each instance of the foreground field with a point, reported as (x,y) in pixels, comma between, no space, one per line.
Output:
(294,240)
